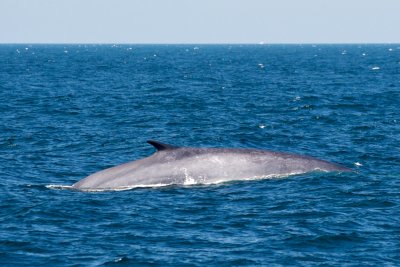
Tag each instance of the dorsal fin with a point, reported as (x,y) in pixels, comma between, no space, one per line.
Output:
(160,146)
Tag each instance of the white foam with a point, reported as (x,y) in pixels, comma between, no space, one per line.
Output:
(121,188)
(358,164)
(187,182)
(59,187)
(375,68)
(253,178)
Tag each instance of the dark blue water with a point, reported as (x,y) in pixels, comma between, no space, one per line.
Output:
(68,111)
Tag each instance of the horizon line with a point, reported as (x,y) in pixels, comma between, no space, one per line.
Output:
(200,43)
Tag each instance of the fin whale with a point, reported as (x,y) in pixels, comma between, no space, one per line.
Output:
(187,165)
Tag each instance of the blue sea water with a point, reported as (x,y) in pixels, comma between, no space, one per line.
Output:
(67,111)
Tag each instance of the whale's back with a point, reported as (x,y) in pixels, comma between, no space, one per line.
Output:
(180,165)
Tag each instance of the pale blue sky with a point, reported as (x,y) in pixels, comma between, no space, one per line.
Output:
(195,21)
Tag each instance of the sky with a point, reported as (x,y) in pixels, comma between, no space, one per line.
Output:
(199,21)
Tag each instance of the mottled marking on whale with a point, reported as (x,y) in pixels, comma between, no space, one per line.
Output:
(187,165)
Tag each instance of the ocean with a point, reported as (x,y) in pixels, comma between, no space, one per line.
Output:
(67,111)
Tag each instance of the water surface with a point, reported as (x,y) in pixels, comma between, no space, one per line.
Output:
(70,110)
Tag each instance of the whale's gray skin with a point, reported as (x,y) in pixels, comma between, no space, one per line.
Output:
(182,165)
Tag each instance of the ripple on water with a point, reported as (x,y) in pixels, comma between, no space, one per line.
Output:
(67,115)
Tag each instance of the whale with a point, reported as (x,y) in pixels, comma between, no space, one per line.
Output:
(175,165)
